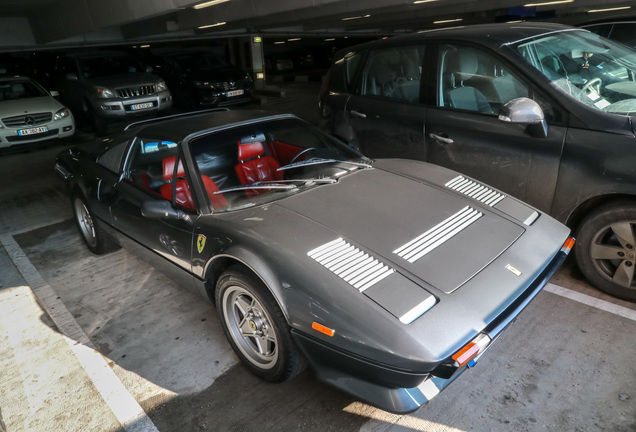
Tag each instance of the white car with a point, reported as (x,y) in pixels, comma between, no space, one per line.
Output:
(29,113)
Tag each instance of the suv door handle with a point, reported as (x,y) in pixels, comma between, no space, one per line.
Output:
(442,139)
(358,114)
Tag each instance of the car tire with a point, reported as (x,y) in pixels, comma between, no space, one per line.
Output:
(256,327)
(606,249)
(96,239)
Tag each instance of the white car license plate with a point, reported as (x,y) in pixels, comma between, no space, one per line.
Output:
(234,93)
(33,131)
(140,106)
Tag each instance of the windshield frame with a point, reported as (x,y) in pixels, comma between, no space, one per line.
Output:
(198,148)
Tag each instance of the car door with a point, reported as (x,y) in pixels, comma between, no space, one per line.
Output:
(463,131)
(384,112)
(149,175)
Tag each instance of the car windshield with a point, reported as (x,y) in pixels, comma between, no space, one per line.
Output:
(12,90)
(106,65)
(593,70)
(266,161)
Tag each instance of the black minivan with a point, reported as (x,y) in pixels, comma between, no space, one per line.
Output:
(544,112)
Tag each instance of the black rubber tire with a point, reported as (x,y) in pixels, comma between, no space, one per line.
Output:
(94,236)
(597,242)
(287,362)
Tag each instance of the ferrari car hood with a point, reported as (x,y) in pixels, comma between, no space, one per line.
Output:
(413,227)
(27,106)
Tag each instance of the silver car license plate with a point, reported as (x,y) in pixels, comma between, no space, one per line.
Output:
(33,131)
(234,93)
(141,106)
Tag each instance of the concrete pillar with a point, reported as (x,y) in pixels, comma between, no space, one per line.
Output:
(258,61)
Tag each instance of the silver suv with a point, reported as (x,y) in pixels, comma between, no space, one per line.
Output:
(109,85)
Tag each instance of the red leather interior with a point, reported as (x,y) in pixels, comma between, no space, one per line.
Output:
(258,169)
(183,197)
(183,194)
(283,152)
(218,201)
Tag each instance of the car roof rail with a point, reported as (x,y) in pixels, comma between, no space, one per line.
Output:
(158,119)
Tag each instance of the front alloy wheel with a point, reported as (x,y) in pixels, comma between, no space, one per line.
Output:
(250,326)
(256,327)
(606,249)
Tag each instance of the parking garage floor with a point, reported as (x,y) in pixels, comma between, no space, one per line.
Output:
(107,343)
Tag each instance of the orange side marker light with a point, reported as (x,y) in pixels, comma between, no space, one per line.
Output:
(322,329)
(568,245)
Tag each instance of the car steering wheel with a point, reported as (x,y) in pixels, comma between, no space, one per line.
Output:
(307,150)
(590,83)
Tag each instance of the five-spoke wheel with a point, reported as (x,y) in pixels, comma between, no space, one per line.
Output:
(256,327)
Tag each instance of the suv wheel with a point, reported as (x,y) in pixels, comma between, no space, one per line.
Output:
(606,249)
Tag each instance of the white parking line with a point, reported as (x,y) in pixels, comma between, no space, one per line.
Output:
(123,405)
(592,301)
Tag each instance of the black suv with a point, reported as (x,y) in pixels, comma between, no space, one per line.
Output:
(109,85)
(200,78)
(544,112)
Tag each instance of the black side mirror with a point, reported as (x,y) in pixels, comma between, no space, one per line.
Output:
(528,112)
(160,210)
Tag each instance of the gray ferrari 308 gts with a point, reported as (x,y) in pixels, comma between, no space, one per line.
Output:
(389,277)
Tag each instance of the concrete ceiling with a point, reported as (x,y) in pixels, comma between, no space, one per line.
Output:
(32,24)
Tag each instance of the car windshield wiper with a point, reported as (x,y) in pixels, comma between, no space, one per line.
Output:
(318,161)
(278,184)
(301,181)
(268,185)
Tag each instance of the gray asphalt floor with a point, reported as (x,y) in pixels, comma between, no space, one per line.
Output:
(108,343)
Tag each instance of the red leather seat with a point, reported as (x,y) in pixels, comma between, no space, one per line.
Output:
(183,197)
(218,201)
(253,168)
(183,194)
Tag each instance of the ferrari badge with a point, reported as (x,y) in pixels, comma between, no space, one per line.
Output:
(200,242)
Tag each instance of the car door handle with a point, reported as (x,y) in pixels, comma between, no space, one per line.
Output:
(358,114)
(442,139)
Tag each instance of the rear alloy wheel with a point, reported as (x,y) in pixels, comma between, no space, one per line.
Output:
(97,240)
(606,249)
(256,327)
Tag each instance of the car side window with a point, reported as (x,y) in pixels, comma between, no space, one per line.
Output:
(394,73)
(343,72)
(151,166)
(112,158)
(473,80)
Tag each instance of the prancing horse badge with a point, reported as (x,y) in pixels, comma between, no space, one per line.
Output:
(200,242)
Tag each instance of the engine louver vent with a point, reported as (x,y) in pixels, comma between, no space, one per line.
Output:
(356,267)
(475,190)
(439,234)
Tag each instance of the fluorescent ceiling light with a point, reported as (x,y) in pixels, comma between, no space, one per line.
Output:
(293,39)
(367,16)
(209,3)
(330,39)
(279,43)
(515,21)
(548,3)
(447,21)
(609,9)
(423,1)
(351,18)
(212,25)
